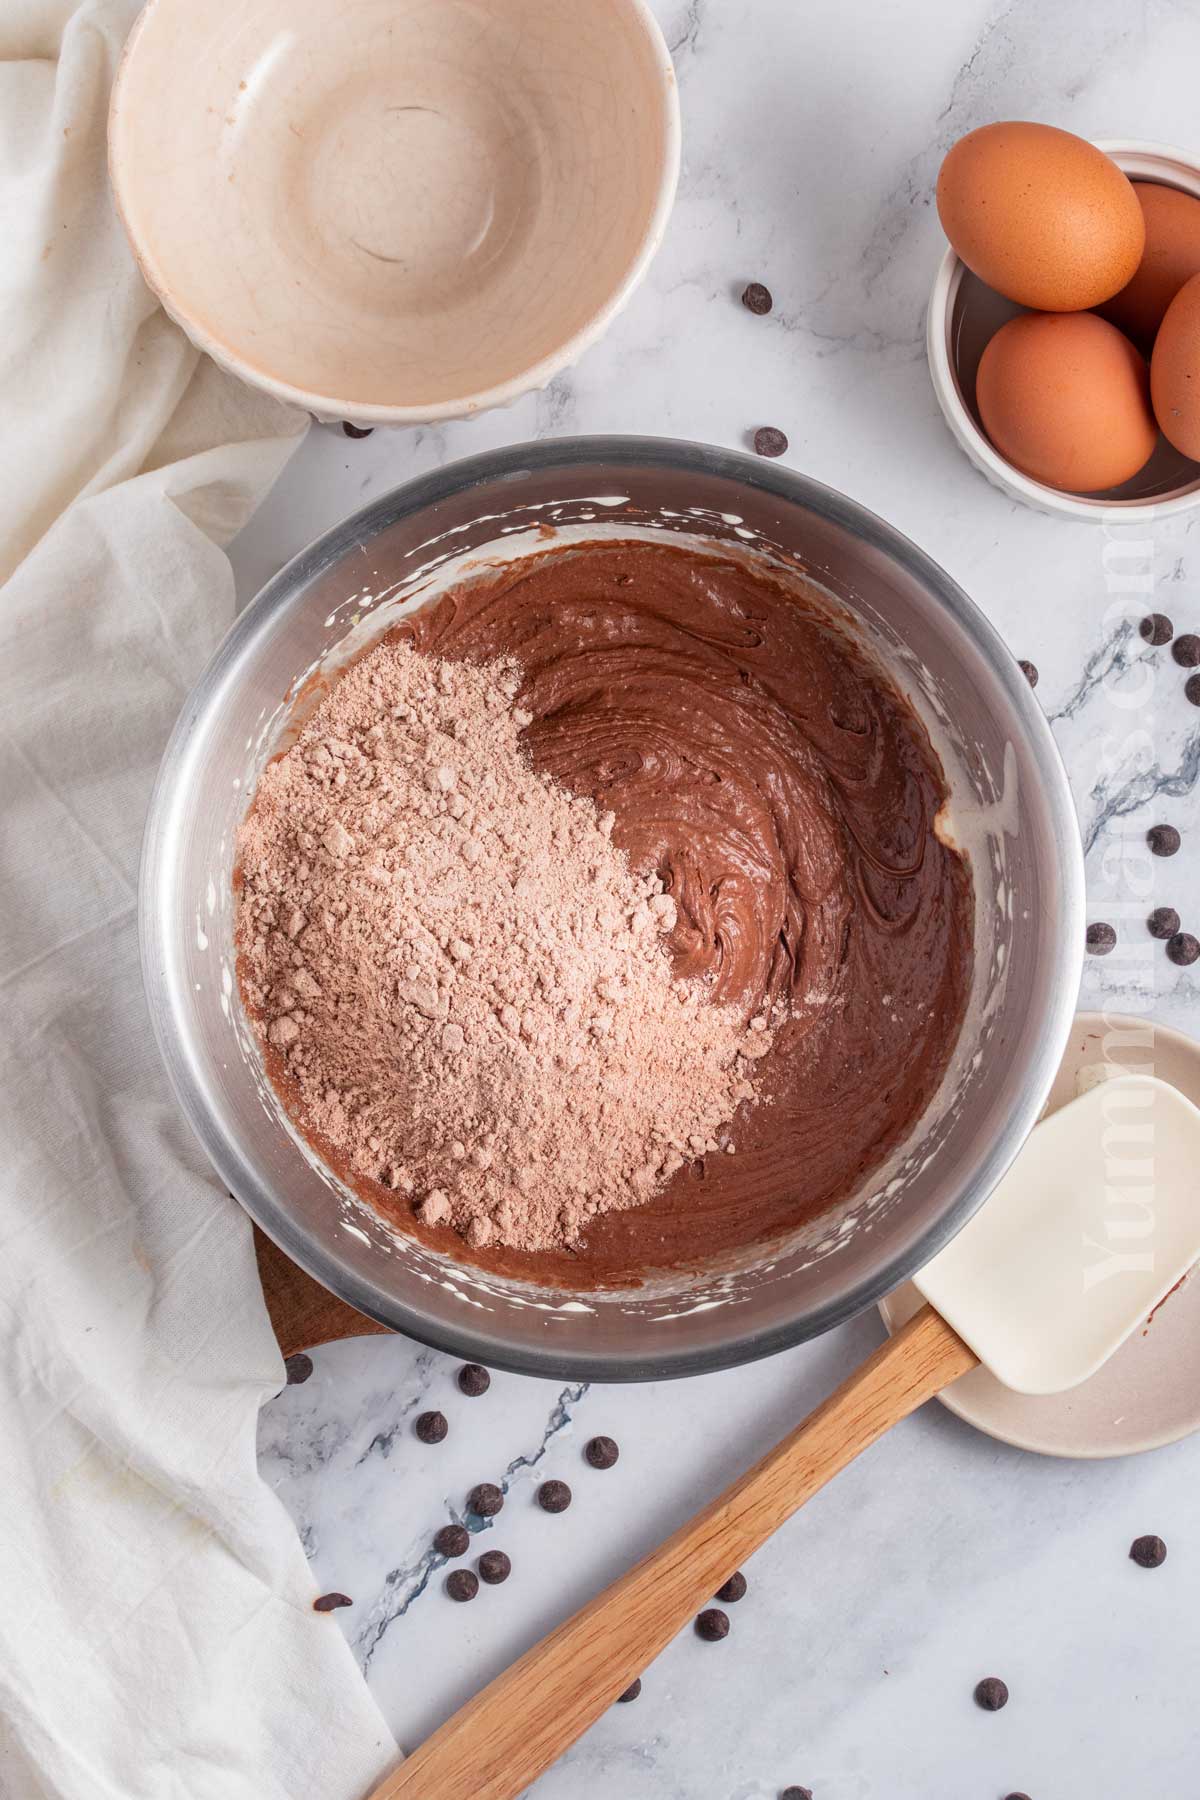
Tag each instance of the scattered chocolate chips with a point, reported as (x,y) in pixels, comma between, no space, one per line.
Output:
(1157,629)
(554,1496)
(474,1379)
(631,1692)
(991,1693)
(486,1499)
(462,1584)
(452,1540)
(494,1567)
(1191,689)
(329,1602)
(1028,670)
(733,1589)
(1163,922)
(756,298)
(1163,840)
(356,431)
(796,1793)
(601,1452)
(298,1368)
(1186,650)
(1148,1552)
(712,1625)
(1183,949)
(1101,938)
(769,441)
(431,1427)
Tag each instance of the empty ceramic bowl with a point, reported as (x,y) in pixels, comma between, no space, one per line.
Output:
(393,211)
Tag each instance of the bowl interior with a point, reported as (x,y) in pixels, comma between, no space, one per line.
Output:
(1010,807)
(389,202)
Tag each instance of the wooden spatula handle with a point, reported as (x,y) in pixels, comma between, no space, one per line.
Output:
(505,1737)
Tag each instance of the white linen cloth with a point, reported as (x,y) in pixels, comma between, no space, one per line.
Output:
(157,1637)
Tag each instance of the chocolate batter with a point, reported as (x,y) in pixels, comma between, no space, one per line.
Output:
(786,795)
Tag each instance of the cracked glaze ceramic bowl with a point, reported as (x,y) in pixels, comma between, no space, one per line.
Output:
(393,211)
(1010,806)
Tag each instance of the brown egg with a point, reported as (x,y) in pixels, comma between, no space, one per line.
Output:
(1171,257)
(1175,370)
(1065,398)
(1040,215)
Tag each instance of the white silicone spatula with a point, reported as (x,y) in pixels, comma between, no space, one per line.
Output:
(1096,1221)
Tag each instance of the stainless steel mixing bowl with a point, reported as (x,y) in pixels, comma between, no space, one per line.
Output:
(1010,804)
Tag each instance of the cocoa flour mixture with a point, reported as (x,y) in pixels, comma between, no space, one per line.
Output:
(737,953)
(469,989)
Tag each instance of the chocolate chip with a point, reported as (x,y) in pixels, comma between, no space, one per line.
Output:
(474,1379)
(1186,650)
(733,1589)
(494,1567)
(768,441)
(431,1427)
(486,1500)
(452,1540)
(796,1793)
(1163,922)
(1191,689)
(462,1584)
(1016,1797)
(1148,1552)
(329,1602)
(991,1693)
(298,1368)
(756,298)
(631,1692)
(1100,938)
(554,1496)
(712,1625)
(1183,949)
(356,431)
(601,1452)
(1163,840)
(1028,670)
(1157,629)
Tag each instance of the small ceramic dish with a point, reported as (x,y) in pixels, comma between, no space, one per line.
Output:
(1146,1395)
(964,314)
(390,211)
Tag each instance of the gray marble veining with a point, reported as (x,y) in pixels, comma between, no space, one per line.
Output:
(812,138)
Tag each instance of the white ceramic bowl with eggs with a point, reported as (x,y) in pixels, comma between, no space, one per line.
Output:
(964,314)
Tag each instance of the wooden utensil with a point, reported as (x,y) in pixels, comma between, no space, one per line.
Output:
(1030,1281)
(509,1734)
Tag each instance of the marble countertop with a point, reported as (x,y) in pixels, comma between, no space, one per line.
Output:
(812,139)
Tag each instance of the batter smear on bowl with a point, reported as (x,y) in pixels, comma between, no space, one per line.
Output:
(597,915)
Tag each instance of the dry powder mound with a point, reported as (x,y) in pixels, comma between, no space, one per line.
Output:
(469,988)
